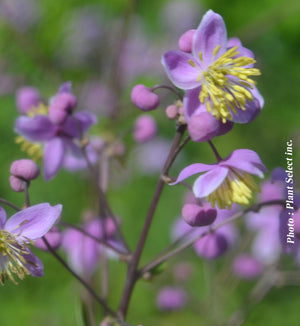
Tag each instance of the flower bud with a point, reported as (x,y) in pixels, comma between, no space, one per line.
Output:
(196,215)
(27,98)
(144,128)
(25,169)
(172,112)
(171,298)
(53,236)
(247,267)
(62,105)
(186,40)
(16,184)
(211,245)
(143,98)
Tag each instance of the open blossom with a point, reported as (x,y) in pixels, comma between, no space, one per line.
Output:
(16,233)
(39,132)
(228,181)
(220,70)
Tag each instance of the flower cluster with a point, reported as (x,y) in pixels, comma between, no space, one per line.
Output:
(53,132)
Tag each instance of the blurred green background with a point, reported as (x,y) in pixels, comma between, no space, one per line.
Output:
(44,43)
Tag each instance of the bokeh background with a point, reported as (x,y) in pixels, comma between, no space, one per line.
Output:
(104,48)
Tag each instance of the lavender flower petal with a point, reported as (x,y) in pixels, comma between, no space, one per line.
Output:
(34,265)
(245,160)
(179,70)
(191,170)
(53,157)
(210,34)
(38,128)
(210,181)
(33,222)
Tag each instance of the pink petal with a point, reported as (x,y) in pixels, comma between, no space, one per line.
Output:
(191,103)
(210,33)
(53,157)
(33,222)
(191,170)
(209,182)
(179,70)
(34,265)
(245,160)
(38,128)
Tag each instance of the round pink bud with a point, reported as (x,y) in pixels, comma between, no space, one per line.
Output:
(53,236)
(211,245)
(172,112)
(16,183)
(25,169)
(196,215)
(171,298)
(144,128)
(203,127)
(62,105)
(247,267)
(186,40)
(143,98)
(27,98)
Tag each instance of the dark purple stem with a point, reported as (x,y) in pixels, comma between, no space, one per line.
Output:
(170,88)
(8,203)
(132,275)
(219,158)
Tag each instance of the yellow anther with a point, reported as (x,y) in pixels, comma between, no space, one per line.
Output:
(201,56)
(216,50)
(192,63)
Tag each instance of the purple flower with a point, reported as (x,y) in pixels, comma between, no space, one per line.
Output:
(58,139)
(227,181)
(16,233)
(220,70)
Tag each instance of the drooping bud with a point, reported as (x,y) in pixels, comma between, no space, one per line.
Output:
(25,169)
(143,98)
(247,267)
(144,128)
(186,40)
(26,98)
(196,215)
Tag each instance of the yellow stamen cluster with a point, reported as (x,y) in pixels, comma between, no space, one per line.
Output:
(34,150)
(238,187)
(12,258)
(41,109)
(226,83)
